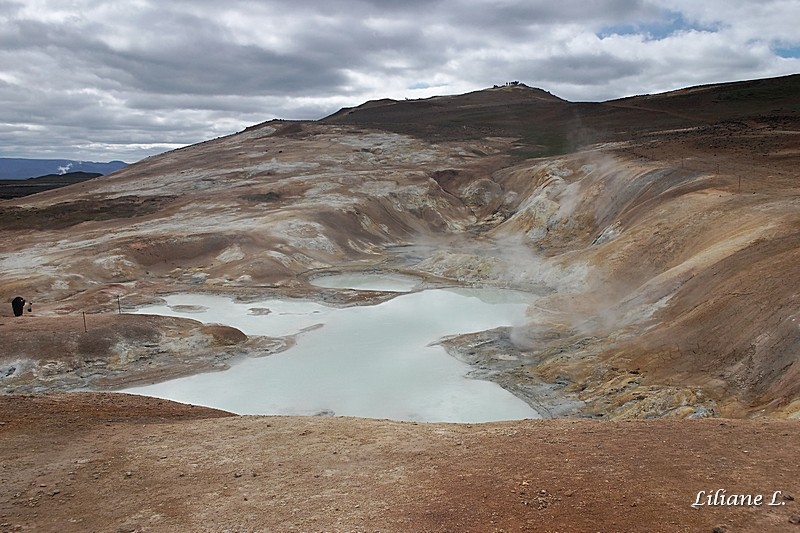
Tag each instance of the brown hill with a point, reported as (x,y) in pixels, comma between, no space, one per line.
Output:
(556,126)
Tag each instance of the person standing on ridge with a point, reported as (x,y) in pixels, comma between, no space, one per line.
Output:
(18,304)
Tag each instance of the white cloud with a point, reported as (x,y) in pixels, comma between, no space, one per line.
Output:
(98,80)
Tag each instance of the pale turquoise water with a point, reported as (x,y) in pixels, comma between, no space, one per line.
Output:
(366,361)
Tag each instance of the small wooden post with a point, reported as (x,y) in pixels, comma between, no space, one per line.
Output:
(119,305)
(85,330)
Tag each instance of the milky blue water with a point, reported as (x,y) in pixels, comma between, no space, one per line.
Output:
(372,361)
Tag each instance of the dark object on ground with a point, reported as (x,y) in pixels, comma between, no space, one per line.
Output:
(18,304)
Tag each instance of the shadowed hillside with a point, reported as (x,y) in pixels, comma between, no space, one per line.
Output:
(552,126)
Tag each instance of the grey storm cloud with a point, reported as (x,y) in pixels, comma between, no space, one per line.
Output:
(585,69)
(89,79)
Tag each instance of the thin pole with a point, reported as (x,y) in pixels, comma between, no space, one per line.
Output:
(119,305)
(84,323)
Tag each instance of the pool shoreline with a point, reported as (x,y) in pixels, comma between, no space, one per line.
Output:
(299,315)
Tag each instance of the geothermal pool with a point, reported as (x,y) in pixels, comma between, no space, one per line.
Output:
(372,361)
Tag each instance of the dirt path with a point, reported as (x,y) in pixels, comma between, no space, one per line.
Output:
(98,462)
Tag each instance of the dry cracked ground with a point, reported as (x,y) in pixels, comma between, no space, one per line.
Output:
(659,233)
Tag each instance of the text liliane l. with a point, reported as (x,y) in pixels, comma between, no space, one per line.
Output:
(720,498)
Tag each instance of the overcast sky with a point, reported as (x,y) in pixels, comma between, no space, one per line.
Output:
(100,80)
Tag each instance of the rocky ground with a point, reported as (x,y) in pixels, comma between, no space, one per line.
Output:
(108,351)
(99,462)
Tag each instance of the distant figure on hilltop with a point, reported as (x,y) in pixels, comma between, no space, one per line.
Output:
(18,304)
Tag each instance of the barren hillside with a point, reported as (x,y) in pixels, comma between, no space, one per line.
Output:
(660,234)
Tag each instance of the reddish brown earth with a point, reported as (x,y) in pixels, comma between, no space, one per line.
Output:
(99,462)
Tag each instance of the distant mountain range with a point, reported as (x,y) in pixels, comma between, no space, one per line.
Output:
(19,169)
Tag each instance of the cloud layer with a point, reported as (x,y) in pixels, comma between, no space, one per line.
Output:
(89,79)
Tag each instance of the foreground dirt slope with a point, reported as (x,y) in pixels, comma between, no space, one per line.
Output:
(93,462)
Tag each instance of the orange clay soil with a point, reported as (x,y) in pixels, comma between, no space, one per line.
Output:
(107,462)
